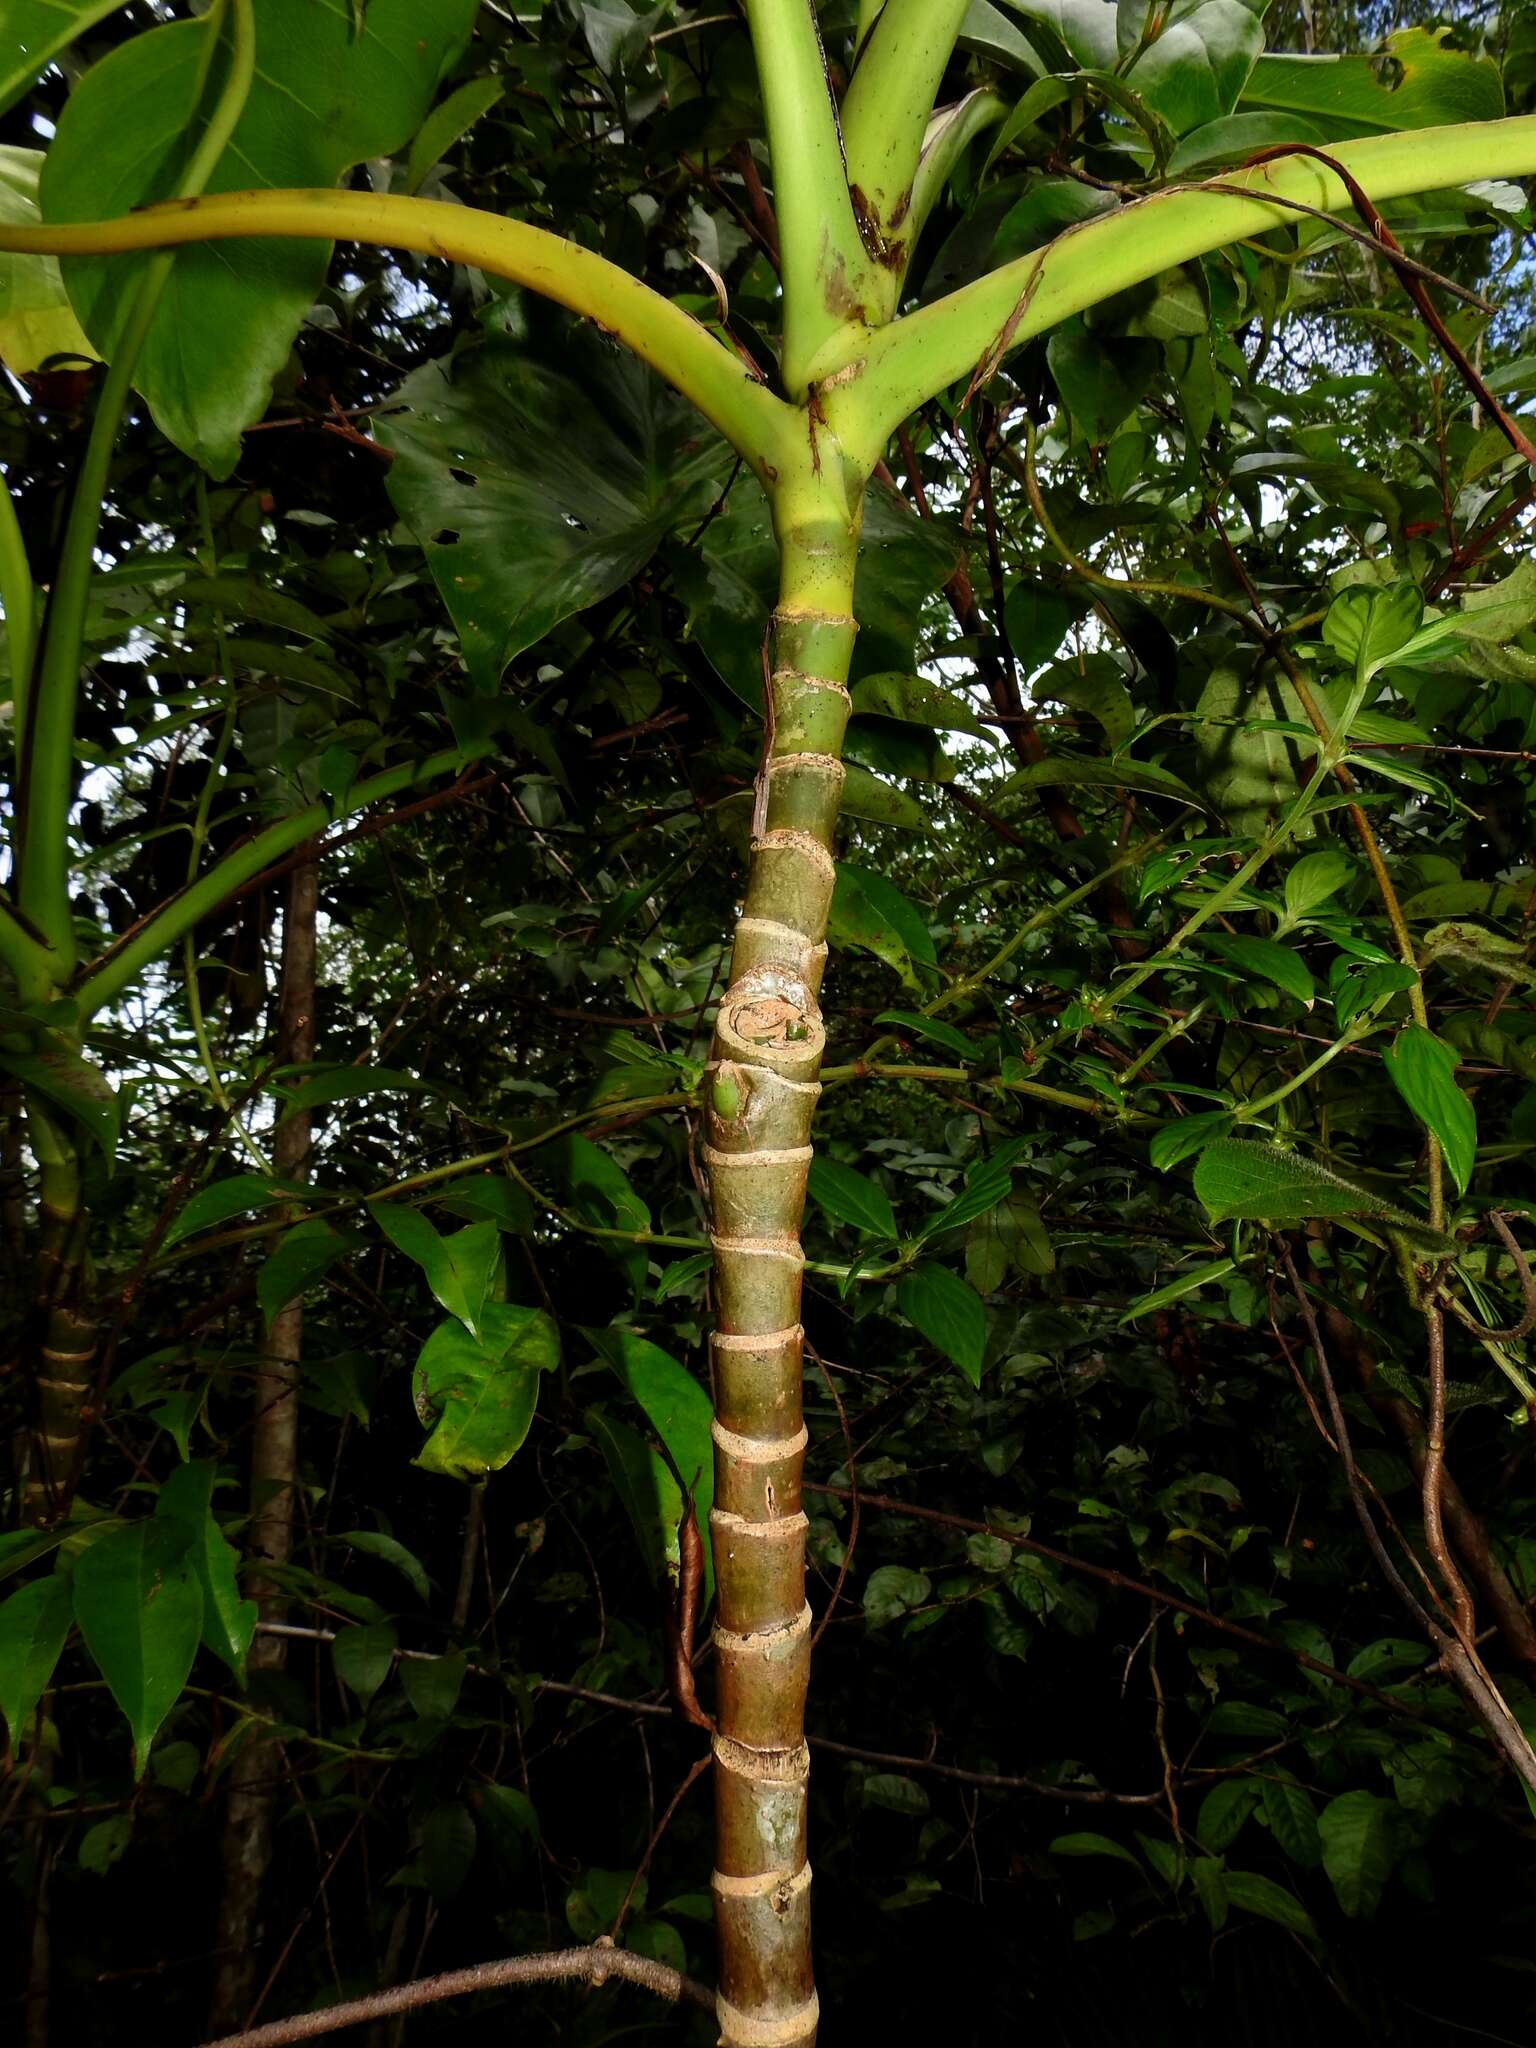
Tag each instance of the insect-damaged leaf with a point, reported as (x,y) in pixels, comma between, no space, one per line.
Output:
(477,1394)
(539,479)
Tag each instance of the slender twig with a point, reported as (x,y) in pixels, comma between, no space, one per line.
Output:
(1126,1584)
(598,1964)
(1459,1660)
(1517,1332)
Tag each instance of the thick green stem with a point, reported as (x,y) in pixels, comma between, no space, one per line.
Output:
(763,1085)
(885,122)
(826,268)
(881,379)
(18,600)
(659,332)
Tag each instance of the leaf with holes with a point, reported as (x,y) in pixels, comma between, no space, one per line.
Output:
(540,478)
(477,1393)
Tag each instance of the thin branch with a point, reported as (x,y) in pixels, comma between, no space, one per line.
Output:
(1460,1662)
(598,1964)
(1124,1583)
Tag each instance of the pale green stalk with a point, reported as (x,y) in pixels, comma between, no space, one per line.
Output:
(823,263)
(18,599)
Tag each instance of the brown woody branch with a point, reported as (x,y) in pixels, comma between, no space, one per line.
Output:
(599,1964)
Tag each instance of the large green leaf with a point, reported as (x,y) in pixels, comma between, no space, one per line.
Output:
(139,1604)
(461,1270)
(33,32)
(185,1501)
(304,1256)
(871,912)
(916,701)
(1359,1848)
(1087,771)
(680,1412)
(1198,62)
(645,1483)
(33,1625)
(36,318)
(1423,1070)
(851,1197)
(1427,86)
(1250,772)
(333,86)
(1102,378)
(729,583)
(948,1313)
(72,1083)
(478,1393)
(1237,1177)
(539,480)
(233,1196)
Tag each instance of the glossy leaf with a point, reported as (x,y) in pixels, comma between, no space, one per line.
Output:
(1268,959)
(916,701)
(934,1029)
(948,1313)
(870,912)
(1313,880)
(1193,69)
(462,1270)
(139,1604)
(1366,626)
(645,1484)
(848,1196)
(33,1625)
(303,1257)
(1428,85)
(478,1393)
(448,120)
(1423,1070)
(73,1084)
(186,1502)
(680,1412)
(235,1195)
(37,322)
(34,32)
